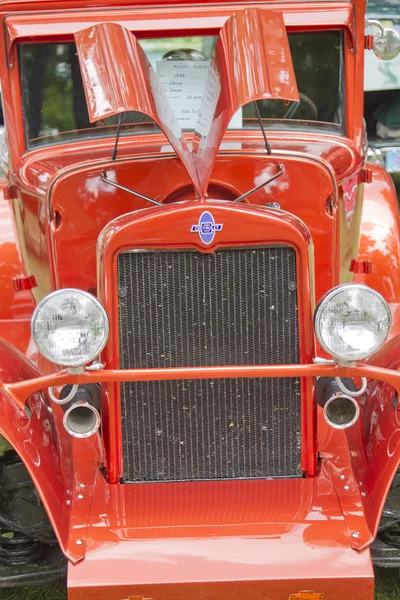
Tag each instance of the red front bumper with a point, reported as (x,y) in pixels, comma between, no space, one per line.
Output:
(218,540)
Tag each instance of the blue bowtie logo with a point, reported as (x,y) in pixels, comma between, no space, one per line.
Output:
(206,228)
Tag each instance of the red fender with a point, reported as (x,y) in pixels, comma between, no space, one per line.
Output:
(364,459)
(380,236)
(63,469)
(377,463)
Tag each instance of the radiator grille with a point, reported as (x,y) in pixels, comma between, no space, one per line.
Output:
(231,307)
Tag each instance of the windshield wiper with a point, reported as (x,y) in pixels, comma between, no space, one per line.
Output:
(267,146)
(114,152)
(117,185)
(280,167)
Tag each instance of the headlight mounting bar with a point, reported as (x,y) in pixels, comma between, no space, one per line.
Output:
(19,392)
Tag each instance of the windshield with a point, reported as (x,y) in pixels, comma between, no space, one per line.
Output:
(54,103)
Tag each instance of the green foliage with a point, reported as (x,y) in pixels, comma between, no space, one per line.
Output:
(396,181)
(50,80)
(4,445)
(54,591)
(387,584)
(57,93)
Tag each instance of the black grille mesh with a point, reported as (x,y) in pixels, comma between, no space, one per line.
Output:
(231,307)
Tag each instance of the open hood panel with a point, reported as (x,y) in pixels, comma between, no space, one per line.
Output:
(251,61)
(118,77)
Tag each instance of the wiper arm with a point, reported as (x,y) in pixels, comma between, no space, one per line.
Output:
(117,185)
(267,146)
(114,152)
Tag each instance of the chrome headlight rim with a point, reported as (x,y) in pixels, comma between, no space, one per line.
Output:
(99,306)
(327,298)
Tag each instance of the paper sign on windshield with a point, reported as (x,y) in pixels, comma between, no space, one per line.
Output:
(184,82)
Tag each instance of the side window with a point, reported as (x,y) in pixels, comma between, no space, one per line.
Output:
(53,95)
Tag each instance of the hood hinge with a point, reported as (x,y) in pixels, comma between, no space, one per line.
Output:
(10,192)
(365,175)
(360,266)
(22,283)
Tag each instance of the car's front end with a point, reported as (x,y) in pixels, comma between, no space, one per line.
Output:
(203,388)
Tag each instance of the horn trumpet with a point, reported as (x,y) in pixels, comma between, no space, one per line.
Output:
(340,410)
(81,419)
(81,415)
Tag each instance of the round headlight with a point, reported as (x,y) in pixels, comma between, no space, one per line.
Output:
(70,327)
(352,322)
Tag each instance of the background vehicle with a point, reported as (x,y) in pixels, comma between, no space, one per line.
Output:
(382,94)
(191,423)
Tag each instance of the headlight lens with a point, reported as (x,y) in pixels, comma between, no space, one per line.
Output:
(352,322)
(70,327)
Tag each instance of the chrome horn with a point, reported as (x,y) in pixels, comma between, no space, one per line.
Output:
(81,415)
(340,410)
(81,419)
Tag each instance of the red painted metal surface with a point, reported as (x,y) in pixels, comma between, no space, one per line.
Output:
(12,305)
(118,77)
(380,236)
(217,539)
(37,168)
(258,68)
(75,238)
(60,466)
(252,540)
(15,306)
(180,19)
(19,391)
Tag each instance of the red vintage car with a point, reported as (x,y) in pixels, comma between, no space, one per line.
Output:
(199,311)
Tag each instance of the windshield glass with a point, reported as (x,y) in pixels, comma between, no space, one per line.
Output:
(55,109)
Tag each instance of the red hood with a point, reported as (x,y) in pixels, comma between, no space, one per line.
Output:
(251,61)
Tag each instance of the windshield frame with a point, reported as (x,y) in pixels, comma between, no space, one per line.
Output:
(145,21)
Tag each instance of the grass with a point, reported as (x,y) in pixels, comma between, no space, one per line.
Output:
(387,584)
(4,445)
(54,591)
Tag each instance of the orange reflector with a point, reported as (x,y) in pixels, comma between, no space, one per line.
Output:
(307,595)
